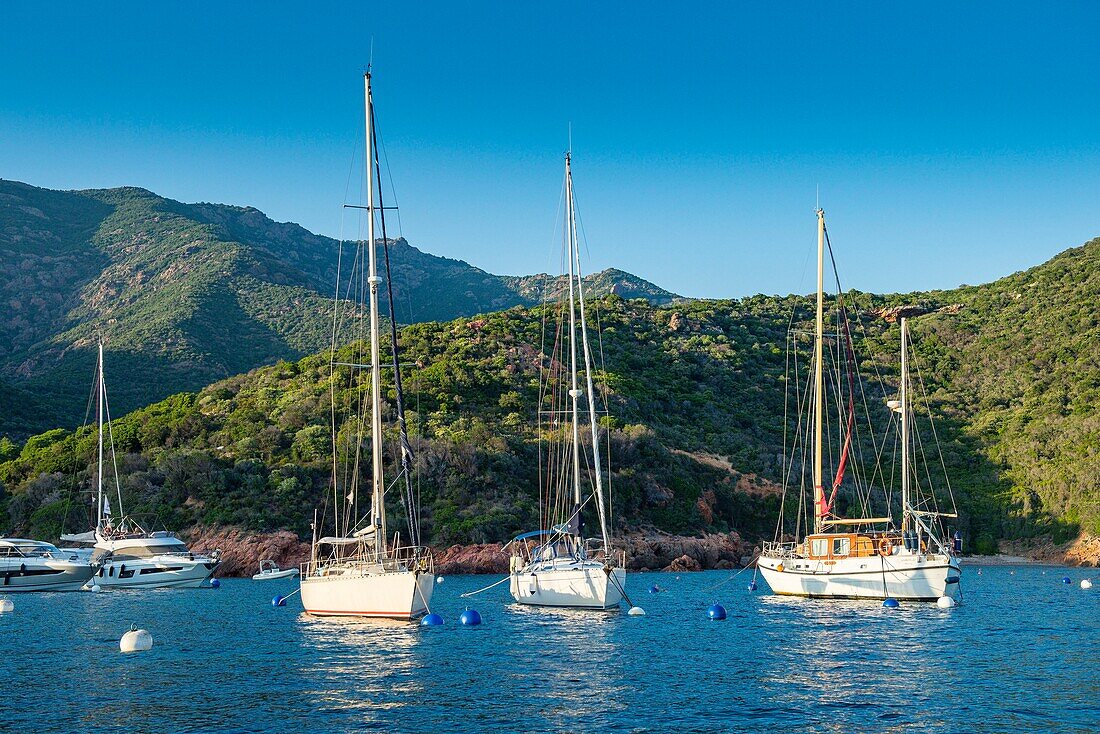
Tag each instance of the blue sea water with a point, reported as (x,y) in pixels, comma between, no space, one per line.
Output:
(1020,654)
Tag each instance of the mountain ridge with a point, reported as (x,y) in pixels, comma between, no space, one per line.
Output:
(186,293)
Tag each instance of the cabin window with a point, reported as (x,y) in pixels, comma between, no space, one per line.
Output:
(841,546)
(819,547)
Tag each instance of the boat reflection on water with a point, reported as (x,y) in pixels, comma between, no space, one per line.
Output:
(579,674)
(362,664)
(853,653)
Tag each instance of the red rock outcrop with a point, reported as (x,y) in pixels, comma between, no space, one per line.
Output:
(242,550)
(487,558)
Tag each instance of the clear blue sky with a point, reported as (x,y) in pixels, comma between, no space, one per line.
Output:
(952,142)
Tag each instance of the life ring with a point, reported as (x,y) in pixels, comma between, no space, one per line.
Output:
(779,568)
(885,547)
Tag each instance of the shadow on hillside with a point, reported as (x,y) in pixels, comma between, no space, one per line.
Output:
(989,506)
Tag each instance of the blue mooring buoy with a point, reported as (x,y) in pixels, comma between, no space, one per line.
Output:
(278,601)
(752,586)
(654,589)
(1065,580)
(469,617)
(716,612)
(890,603)
(214,583)
(431,620)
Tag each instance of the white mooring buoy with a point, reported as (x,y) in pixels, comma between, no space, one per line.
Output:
(945,602)
(6,606)
(1085,584)
(636,612)
(136,640)
(439,579)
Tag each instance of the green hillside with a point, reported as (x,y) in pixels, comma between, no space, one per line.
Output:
(185,294)
(697,394)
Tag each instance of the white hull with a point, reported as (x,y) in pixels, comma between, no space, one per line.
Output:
(906,576)
(18,575)
(580,584)
(158,572)
(395,595)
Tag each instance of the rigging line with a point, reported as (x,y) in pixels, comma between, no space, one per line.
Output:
(114,459)
(406,447)
(747,566)
(858,376)
(76,466)
(935,436)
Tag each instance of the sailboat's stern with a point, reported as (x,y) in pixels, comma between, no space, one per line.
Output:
(404,595)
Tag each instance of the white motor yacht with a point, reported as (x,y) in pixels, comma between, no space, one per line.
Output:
(31,565)
(130,557)
(125,554)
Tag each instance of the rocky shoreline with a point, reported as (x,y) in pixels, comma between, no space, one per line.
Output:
(242,551)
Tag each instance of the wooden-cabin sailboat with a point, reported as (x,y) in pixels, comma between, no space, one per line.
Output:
(864,557)
(359,571)
(557,566)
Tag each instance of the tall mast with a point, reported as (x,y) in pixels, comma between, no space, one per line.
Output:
(588,373)
(574,393)
(378,511)
(904,424)
(819,403)
(99,420)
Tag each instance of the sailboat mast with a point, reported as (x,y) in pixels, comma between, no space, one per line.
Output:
(588,379)
(574,393)
(904,424)
(819,377)
(99,420)
(378,512)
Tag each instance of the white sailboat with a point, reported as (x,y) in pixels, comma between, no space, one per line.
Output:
(359,571)
(125,554)
(557,566)
(863,557)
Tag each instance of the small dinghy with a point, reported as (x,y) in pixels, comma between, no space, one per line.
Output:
(269,571)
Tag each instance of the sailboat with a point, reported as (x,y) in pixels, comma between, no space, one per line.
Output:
(557,566)
(359,571)
(126,554)
(862,557)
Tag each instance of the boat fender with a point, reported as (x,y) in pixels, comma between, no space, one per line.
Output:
(885,547)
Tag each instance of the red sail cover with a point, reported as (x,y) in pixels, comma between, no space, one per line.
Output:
(826,507)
